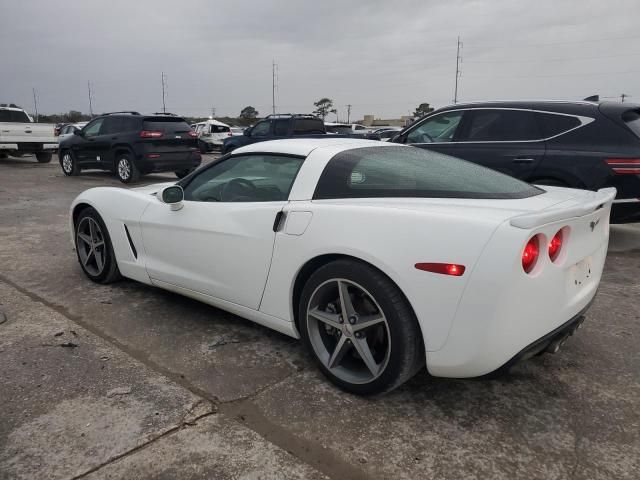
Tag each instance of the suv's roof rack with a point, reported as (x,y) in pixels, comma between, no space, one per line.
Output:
(297,115)
(165,113)
(130,112)
(10,105)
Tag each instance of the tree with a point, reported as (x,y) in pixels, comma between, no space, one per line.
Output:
(248,113)
(422,109)
(324,107)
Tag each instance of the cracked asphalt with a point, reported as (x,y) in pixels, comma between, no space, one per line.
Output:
(129,381)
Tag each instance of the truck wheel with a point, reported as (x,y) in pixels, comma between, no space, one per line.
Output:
(126,169)
(44,157)
(69,164)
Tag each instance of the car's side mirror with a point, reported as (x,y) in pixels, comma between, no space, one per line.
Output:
(77,131)
(173,195)
(397,138)
(247,132)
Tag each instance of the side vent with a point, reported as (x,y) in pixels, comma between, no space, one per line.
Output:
(133,247)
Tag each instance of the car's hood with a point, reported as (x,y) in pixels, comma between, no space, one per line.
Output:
(153,188)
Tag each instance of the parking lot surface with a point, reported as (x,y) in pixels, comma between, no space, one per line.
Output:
(128,381)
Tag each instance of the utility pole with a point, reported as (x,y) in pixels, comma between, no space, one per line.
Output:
(213,112)
(274,68)
(348,113)
(458,72)
(35,103)
(623,96)
(90,99)
(164,107)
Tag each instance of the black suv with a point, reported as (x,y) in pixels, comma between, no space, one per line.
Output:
(277,126)
(571,144)
(131,144)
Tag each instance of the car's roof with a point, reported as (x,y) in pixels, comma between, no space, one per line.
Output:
(212,122)
(561,106)
(304,146)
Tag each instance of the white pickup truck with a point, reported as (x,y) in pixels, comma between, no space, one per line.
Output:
(20,135)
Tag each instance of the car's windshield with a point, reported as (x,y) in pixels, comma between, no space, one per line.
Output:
(397,171)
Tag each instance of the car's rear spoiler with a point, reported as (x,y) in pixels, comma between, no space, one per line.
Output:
(587,204)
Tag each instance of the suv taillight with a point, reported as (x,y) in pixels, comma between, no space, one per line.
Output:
(624,166)
(192,134)
(151,134)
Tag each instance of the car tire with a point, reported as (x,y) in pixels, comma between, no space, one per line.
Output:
(68,163)
(202,146)
(44,157)
(183,173)
(382,326)
(94,248)
(126,169)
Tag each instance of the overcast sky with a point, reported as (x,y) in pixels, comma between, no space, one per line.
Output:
(383,57)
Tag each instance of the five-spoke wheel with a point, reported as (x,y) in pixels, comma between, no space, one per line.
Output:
(94,249)
(360,328)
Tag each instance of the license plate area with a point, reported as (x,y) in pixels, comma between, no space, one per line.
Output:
(580,274)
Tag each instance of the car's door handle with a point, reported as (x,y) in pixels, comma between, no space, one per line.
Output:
(523,160)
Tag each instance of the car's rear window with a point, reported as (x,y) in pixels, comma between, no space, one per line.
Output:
(397,171)
(552,124)
(169,124)
(632,119)
(302,126)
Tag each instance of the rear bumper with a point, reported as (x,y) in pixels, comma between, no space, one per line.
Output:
(547,342)
(169,162)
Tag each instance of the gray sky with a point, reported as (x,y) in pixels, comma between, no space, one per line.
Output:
(383,57)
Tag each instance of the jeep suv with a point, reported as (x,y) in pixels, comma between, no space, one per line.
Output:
(585,145)
(130,144)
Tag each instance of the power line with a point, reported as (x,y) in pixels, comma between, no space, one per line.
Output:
(458,72)
(554,59)
(90,98)
(35,103)
(164,107)
(274,68)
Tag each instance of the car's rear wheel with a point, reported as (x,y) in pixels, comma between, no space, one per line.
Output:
(44,157)
(360,328)
(126,169)
(69,164)
(94,248)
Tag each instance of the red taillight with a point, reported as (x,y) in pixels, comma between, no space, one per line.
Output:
(443,268)
(624,166)
(192,134)
(151,134)
(153,155)
(530,254)
(555,245)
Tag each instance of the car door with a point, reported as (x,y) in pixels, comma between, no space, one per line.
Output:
(88,148)
(506,140)
(221,242)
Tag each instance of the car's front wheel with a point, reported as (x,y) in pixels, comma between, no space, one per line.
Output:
(360,328)
(94,248)
(69,164)
(44,157)
(126,169)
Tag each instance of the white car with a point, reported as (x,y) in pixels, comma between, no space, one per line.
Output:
(211,134)
(236,131)
(383,258)
(346,128)
(67,130)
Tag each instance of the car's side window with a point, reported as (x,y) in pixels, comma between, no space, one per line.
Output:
(93,128)
(111,125)
(281,128)
(245,178)
(261,129)
(439,128)
(500,126)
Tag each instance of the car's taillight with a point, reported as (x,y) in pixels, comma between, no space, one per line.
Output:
(444,268)
(555,245)
(624,166)
(151,134)
(192,134)
(530,254)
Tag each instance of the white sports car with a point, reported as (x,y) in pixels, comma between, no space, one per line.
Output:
(382,258)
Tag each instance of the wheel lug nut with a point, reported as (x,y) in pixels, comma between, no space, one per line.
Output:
(352,319)
(358,335)
(341,319)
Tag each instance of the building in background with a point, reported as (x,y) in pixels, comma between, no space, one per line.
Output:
(371,121)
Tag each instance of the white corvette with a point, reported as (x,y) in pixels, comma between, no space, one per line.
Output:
(382,258)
